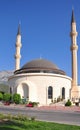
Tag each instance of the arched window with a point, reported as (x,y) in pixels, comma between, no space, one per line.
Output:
(63,93)
(10,90)
(50,92)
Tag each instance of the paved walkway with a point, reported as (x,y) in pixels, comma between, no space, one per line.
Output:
(60,108)
(47,108)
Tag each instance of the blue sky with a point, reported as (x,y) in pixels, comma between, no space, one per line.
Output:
(45,30)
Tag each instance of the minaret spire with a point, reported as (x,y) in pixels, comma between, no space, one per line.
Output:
(74,48)
(73,18)
(18,47)
(19,30)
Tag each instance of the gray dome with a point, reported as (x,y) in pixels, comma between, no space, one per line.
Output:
(40,65)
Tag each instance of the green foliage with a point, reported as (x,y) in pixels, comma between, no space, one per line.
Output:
(52,101)
(1,116)
(68,103)
(16,98)
(23,101)
(35,104)
(1,96)
(33,118)
(55,100)
(59,99)
(6,97)
(21,117)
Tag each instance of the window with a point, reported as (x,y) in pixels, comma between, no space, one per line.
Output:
(10,90)
(50,92)
(63,93)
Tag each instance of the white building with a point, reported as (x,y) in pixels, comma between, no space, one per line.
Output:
(42,81)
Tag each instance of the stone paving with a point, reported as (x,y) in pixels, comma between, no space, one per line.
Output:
(47,108)
(60,108)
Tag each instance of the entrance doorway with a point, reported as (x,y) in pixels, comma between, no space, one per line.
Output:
(23,90)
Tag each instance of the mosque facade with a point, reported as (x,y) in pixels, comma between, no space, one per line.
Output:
(40,80)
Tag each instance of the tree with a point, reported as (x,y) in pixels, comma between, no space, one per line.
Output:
(16,98)
(7,97)
(1,96)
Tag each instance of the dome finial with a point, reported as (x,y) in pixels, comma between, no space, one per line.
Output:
(40,56)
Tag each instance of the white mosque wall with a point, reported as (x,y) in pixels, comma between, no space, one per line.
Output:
(79,90)
(38,84)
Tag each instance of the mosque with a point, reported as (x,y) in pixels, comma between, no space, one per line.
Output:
(40,80)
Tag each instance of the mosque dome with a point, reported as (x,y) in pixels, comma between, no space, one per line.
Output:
(38,66)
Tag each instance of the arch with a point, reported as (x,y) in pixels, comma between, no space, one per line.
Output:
(63,93)
(50,92)
(27,89)
(23,90)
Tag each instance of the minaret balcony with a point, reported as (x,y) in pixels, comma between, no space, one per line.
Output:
(73,33)
(17,56)
(18,45)
(74,47)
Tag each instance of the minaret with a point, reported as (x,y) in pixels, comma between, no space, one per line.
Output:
(74,48)
(18,47)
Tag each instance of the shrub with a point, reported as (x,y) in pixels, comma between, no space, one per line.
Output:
(1,96)
(58,99)
(13,117)
(7,97)
(34,104)
(16,98)
(33,118)
(68,103)
(52,101)
(55,100)
(23,101)
(21,117)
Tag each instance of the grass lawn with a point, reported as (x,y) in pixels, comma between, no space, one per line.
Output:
(20,122)
(34,125)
